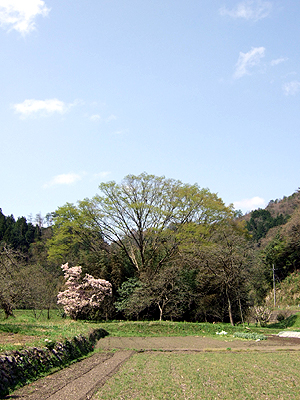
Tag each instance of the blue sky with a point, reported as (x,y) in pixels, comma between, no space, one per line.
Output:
(206,92)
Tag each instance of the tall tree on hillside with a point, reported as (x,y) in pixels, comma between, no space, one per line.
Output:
(145,216)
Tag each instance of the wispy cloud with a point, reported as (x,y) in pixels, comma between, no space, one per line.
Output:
(291,88)
(249,204)
(63,179)
(278,61)
(95,117)
(112,117)
(32,107)
(248,60)
(249,10)
(120,132)
(20,15)
(101,175)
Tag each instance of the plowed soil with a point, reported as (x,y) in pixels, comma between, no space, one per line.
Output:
(82,379)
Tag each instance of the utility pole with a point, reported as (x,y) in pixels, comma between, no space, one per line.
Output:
(274,285)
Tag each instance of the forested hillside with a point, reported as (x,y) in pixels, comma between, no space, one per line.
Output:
(170,251)
(20,234)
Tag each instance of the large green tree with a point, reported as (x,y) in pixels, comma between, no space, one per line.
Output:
(144,225)
(147,216)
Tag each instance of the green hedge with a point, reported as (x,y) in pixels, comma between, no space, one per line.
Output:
(17,368)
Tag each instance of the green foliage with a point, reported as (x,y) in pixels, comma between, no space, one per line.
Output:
(125,292)
(171,251)
(261,222)
(250,335)
(291,321)
(224,263)
(145,216)
(20,234)
(283,250)
(280,317)
(177,328)
(140,229)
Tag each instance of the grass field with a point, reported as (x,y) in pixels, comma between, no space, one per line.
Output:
(206,376)
(156,375)
(25,330)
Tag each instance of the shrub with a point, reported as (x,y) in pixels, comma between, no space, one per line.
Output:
(280,317)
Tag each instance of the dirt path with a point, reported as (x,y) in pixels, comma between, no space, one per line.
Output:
(194,343)
(81,380)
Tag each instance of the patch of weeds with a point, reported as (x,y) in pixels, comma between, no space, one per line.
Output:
(250,335)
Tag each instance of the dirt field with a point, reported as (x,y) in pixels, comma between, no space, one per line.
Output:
(194,343)
(82,379)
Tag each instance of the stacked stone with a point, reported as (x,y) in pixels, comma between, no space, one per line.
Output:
(20,367)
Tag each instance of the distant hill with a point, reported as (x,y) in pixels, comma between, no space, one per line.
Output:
(284,206)
(265,222)
(287,291)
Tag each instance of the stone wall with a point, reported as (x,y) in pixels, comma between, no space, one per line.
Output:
(17,368)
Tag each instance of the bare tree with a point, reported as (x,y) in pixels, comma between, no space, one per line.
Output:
(9,270)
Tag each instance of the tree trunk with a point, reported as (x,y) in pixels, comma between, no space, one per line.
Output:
(241,311)
(7,308)
(160,312)
(229,307)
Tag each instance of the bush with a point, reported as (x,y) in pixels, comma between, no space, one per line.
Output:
(280,317)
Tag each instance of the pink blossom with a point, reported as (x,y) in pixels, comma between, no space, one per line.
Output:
(81,292)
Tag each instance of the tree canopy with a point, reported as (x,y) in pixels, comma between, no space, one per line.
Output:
(145,215)
(170,250)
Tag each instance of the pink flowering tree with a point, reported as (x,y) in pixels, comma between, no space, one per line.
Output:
(82,293)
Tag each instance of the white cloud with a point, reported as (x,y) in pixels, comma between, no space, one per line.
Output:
(120,132)
(248,60)
(278,61)
(291,88)
(249,204)
(112,117)
(47,107)
(20,14)
(63,179)
(101,175)
(249,9)
(95,117)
